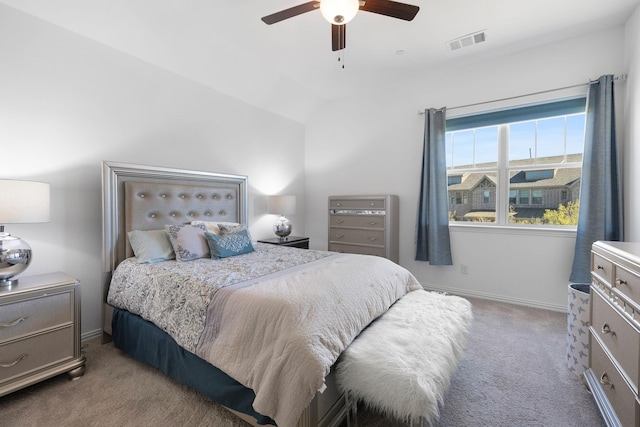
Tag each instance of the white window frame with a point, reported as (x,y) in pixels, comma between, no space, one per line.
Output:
(502,190)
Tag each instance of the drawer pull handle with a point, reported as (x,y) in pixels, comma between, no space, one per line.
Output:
(619,282)
(339,221)
(14,323)
(8,365)
(599,267)
(373,239)
(604,380)
(372,204)
(373,222)
(606,329)
(339,236)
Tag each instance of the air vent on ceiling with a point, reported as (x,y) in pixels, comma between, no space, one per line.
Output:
(468,40)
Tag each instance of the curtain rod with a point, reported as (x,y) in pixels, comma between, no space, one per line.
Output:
(618,77)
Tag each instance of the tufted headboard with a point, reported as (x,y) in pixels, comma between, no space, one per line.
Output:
(137,197)
(152,205)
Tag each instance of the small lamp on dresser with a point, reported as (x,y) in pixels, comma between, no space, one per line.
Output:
(20,202)
(282,205)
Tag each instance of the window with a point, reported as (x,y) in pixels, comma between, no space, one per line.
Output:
(516,166)
(536,175)
(454,179)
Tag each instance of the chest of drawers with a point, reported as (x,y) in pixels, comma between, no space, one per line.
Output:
(364,225)
(39,330)
(614,332)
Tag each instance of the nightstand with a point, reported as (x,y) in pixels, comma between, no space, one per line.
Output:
(291,241)
(39,330)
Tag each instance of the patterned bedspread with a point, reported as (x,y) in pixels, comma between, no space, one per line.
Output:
(175,295)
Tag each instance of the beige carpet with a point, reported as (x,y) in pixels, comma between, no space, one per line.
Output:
(513,374)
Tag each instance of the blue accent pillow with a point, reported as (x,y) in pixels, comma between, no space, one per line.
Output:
(230,245)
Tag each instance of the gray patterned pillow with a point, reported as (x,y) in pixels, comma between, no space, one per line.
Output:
(188,241)
(230,228)
(230,245)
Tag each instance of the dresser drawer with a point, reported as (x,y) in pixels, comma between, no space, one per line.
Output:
(364,221)
(364,237)
(627,283)
(38,352)
(621,397)
(603,268)
(31,315)
(620,337)
(362,204)
(355,249)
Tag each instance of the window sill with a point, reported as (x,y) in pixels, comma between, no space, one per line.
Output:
(555,231)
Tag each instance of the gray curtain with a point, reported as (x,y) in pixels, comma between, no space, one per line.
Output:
(600,213)
(433,242)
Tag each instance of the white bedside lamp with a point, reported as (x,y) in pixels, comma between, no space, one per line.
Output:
(20,202)
(282,205)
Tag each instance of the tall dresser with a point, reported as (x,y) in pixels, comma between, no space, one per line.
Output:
(364,225)
(614,356)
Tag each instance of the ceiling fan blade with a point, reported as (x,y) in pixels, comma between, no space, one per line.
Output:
(291,12)
(338,33)
(390,8)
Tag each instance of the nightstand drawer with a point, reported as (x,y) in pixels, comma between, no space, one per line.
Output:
(365,237)
(364,221)
(39,352)
(620,396)
(620,337)
(355,249)
(28,316)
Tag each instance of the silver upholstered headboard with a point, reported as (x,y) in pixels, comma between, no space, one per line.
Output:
(137,197)
(152,205)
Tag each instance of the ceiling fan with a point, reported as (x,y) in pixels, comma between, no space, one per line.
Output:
(339,12)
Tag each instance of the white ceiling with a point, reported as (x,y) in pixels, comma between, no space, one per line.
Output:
(289,68)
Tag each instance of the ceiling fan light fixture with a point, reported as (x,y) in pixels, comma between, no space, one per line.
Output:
(339,12)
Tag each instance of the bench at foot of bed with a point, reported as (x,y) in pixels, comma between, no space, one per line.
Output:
(402,364)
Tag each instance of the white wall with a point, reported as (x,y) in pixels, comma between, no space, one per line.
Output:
(68,103)
(373,144)
(631,149)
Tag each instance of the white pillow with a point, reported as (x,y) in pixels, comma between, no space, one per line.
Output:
(151,246)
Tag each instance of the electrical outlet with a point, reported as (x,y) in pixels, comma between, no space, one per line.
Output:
(464,269)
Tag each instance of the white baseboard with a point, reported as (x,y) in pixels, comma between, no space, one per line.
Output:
(91,334)
(493,297)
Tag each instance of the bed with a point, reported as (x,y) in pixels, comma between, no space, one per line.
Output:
(257,367)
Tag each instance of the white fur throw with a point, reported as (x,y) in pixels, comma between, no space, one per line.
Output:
(402,363)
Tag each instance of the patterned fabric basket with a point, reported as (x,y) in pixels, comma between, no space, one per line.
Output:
(578,328)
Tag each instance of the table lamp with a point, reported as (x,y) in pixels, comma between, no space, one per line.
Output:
(20,202)
(281,205)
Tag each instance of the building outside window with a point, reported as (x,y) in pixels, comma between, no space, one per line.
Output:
(516,166)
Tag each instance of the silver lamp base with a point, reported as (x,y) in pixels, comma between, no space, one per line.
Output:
(282,227)
(15,257)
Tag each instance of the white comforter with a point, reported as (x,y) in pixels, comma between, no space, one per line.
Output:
(280,333)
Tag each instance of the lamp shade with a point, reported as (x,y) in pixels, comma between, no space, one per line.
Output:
(24,201)
(339,12)
(281,205)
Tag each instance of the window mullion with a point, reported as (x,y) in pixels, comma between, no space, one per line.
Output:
(502,188)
